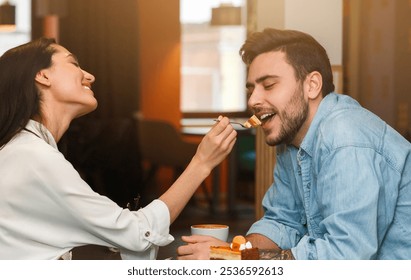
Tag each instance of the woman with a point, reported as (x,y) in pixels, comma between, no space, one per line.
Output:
(47,209)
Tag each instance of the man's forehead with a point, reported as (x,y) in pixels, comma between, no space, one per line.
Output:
(268,65)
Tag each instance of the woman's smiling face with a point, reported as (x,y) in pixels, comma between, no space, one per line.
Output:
(69,85)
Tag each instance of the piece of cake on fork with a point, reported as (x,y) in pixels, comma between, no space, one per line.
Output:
(252,122)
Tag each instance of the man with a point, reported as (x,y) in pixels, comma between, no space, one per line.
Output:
(342,180)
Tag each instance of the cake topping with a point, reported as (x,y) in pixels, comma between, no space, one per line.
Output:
(247,245)
(240,243)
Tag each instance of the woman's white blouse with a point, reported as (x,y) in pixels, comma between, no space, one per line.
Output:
(47,208)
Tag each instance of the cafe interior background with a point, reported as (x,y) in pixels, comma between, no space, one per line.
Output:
(177,61)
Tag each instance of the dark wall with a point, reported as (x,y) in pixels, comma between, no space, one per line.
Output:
(103,35)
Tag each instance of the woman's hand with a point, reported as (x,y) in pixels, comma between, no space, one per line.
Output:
(216,144)
(198,247)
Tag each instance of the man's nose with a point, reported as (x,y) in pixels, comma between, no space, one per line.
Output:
(255,98)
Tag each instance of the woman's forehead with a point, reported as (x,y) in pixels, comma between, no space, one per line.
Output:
(62,51)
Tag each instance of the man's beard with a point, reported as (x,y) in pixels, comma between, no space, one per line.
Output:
(292,118)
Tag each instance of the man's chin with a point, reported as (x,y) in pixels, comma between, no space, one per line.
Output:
(272,141)
(272,138)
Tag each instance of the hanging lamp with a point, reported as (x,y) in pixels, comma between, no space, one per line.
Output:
(7,17)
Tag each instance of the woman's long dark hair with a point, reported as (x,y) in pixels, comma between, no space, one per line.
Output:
(19,96)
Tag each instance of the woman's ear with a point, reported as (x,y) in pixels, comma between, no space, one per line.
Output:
(314,84)
(43,78)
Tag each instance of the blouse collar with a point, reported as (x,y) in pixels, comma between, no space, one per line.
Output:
(42,132)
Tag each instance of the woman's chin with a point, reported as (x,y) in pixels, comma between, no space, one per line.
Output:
(87,110)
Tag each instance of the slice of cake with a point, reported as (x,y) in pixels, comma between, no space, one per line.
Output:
(224,253)
(239,249)
(252,122)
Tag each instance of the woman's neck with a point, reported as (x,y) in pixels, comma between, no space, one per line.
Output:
(56,126)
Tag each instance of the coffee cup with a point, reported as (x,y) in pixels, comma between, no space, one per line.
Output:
(216,230)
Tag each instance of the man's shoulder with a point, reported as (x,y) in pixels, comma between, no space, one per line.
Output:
(342,118)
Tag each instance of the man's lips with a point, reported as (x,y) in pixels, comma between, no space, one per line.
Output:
(267,116)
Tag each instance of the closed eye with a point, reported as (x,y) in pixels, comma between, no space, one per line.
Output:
(270,86)
(268,81)
(73,60)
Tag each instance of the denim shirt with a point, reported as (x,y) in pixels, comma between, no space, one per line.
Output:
(346,192)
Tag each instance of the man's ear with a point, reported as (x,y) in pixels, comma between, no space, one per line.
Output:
(314,84)
(43,78)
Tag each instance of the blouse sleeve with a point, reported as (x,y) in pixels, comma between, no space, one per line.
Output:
(77,215)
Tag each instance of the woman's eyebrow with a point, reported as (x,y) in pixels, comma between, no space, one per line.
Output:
(73,56)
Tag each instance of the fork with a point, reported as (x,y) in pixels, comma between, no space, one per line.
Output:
(241,124)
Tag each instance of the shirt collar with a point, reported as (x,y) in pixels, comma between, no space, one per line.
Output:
(42,132)
(325,108)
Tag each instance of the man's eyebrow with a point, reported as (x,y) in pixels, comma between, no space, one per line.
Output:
(249,85)
(260,80)
(263,78)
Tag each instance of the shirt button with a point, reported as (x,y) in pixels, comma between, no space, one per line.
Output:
(147,234)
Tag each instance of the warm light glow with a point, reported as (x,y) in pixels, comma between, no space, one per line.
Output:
(7,27)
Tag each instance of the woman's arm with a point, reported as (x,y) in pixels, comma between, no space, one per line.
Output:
(214,147)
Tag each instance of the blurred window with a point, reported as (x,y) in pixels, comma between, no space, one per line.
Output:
(213,75)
